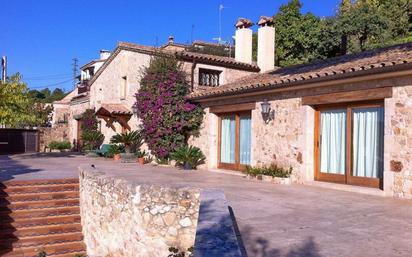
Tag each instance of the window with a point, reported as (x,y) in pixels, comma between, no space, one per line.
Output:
(123,88)
(210,78)
(235,140)
(350,144)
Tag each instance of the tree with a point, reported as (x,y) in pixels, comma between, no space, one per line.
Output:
(168,118)
(15,104)
(297,35)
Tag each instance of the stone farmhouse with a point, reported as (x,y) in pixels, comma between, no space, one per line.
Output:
(109,84)
(343,120)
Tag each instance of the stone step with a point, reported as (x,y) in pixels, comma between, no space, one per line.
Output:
(60,250)
(48,239)
(33,197)
(47,212)
(15,190)
(40,231)
(39,205)
(35,222)
(39,182)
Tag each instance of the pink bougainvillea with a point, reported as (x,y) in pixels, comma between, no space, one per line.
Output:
(168,117)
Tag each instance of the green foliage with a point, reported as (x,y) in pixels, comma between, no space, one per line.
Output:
(60,145)
(92,139)
(90,121)
(357,26)
(15,104)
(188,155)
(45,96)
(168,117)
(114,149)
(141,154)
(130,140)
(271,170)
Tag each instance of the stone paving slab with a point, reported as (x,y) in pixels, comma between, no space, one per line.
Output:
(274,220)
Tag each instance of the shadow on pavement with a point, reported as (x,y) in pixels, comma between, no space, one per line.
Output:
(9,168)
(260,247)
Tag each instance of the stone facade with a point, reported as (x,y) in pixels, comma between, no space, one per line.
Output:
(121,218)
(57,133)
(288,139)
(398,143)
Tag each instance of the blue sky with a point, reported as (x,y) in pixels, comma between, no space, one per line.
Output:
(41,37)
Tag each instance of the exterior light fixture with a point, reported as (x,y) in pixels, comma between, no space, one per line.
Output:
(267,113)
(134,109)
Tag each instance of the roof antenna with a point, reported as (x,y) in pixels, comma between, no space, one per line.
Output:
(192,33)
(219,39)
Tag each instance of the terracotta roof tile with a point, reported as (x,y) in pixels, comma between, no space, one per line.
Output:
(217,59)
(328,68)
(116,109)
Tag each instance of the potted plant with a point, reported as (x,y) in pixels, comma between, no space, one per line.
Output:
(93,139)
(188,157)
(140,157)
(129,140)
(114,152)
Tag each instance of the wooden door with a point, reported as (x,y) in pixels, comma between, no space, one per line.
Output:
(234,144)
(349,144)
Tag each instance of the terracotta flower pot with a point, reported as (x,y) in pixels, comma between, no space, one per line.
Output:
(116,157)
(140,161)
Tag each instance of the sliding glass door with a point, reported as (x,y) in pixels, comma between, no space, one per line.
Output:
(234,141)
(349,144)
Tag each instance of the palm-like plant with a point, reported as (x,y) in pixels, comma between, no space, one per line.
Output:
(128,139)
(188,156)
(93,138)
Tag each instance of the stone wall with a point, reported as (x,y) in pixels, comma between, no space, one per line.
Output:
(398,143)
(121,218)
(59,132)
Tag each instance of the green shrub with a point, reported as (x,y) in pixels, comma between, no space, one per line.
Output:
(114,149)
(130,140)
(93,139)
(141,154)
(272,170)
(188,156)
(41,253)
(60,145)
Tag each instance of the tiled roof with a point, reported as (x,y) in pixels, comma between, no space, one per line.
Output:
(114,109)
(216,60)
(332,68)
(222,60)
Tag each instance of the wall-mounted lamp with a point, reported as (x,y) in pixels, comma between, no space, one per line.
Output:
(134,109)
(267,113)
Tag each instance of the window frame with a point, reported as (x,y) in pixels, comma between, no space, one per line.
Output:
(347,178)
(212,75)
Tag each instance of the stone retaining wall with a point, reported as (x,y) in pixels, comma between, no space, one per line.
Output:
(59,132)
(123,218)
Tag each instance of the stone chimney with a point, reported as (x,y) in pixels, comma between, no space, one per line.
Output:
(266,44)
(104,54)
(171,40)
(243,41)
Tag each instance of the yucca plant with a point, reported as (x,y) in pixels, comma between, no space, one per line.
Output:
(188,157)
(93,138)
(129,140)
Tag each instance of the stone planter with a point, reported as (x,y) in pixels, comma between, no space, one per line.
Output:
(282,181)
(270,179)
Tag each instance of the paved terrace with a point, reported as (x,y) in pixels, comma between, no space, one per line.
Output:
(274,220)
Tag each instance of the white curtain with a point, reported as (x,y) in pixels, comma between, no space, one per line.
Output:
(367,142)
(333,139)
(245,140)
(228,133)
